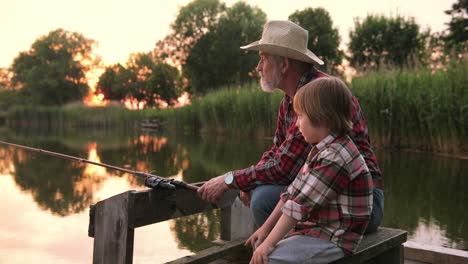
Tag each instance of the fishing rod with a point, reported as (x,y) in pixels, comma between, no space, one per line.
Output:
(151,180)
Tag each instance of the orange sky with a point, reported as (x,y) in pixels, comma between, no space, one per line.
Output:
(123,27)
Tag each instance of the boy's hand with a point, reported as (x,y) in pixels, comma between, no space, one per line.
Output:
(257,238)
(260,255)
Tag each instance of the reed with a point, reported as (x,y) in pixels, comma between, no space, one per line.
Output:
(72,116)
(231,110)
(418,109)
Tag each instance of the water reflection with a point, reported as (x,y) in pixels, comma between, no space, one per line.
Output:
(51,181)
(424,194)
(195,232)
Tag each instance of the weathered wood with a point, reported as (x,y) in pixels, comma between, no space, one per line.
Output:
(92,213)
(237,221)
(214,253)
(373,245)
(153,206)
(112,221)
(113,238)
(382,247)
(434,254)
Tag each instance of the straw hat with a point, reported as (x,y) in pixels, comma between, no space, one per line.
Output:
(284,38)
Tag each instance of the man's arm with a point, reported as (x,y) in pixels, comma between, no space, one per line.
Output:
(280,165)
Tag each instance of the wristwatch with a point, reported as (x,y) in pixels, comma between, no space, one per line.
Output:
(229,179)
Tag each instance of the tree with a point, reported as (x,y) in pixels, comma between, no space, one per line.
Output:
(5,79)
(165,83)
(457,35)
(143,80)
(324,40)
(379,40)
(113,81)
(193,21)
(53,71)
(216,58)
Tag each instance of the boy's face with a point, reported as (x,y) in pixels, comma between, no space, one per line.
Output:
(312,133)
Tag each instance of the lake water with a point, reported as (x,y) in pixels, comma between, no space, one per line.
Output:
(44,200)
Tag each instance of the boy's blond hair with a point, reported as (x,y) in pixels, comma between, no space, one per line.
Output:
(327,102)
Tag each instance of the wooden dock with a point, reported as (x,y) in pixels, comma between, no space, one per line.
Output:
(113,222)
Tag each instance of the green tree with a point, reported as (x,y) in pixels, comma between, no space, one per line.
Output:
(380,40)
(457,33)
(113,82)
(5,79)
(324,40)
(143,80)
(140,67)
(193,21)
(216,59)
(165,84)
(53,71)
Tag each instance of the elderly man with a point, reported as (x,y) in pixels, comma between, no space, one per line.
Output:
(287,64)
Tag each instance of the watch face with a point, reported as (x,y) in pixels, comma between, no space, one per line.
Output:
(229,178)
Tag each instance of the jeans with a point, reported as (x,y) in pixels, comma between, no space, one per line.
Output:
(377,210)
(263,201)
(305,249)
(265,198)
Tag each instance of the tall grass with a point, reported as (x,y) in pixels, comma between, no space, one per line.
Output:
(72,116)
(418,109)
(230,110)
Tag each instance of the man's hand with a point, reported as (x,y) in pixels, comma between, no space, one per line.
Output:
(213,189)
(245,198)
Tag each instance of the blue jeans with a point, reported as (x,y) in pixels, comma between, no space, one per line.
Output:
(377,210)
(265,198)
(305,249)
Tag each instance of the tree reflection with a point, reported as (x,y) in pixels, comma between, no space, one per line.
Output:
(51,181)
(148,154)
(426,189)
(195,232)
(211,156)
(420,190)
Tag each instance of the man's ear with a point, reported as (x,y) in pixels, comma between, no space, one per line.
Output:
(285,65)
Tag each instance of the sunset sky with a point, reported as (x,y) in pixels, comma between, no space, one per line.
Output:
(124,27)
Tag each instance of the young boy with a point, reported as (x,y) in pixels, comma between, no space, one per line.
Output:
(326,209)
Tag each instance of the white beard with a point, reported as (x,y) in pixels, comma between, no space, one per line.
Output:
(270,84)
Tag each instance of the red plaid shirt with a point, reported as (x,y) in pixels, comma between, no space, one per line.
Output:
(282,162)
(331,196)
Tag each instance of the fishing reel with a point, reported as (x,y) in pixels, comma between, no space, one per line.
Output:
(155,182)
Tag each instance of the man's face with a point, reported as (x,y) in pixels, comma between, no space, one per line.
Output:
(269,70)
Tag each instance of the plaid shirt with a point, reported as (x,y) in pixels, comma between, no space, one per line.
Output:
(282,162)
(331,196)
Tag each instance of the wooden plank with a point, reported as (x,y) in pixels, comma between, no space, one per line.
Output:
(215,253)
(113,238)
(383,246)
(153,206)
(237,221)
(375,244)
(434,254)
(157,205)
